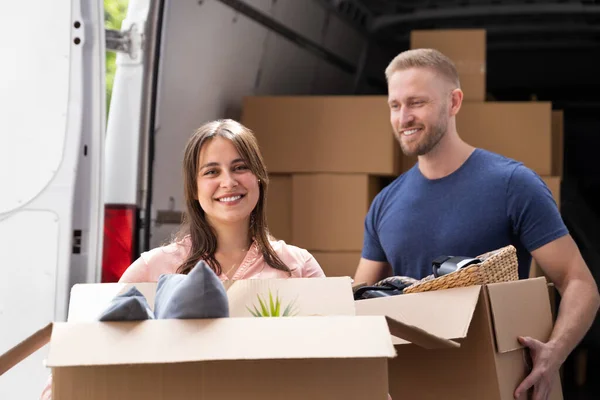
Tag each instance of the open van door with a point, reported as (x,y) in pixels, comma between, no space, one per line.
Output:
(52,117)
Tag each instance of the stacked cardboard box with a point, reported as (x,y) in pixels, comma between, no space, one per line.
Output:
(529,132)
(327,156)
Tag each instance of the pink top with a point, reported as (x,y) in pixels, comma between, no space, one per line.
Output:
(166,260)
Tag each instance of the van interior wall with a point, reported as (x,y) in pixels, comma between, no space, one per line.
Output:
(213,56)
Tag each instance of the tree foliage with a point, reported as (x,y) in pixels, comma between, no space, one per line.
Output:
(114,14)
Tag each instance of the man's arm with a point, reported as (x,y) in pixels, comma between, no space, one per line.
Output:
(564,266)
(370,272)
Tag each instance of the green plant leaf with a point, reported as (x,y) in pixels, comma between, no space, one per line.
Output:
(256,314)
(288,312)
(277,305)
(265,312)
(272,305)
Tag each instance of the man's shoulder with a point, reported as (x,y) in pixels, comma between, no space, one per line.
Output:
(489,168)
(496,160)
(394,187)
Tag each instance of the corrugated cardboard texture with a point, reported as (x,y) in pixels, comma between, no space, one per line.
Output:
(338,263)
(444,313)
(88,301)
(517,130)
(173,341)
(557,142)
(465,373)
(520,308)
(279,206)
(248,380)
(466,48)
(329,210)
(349,134)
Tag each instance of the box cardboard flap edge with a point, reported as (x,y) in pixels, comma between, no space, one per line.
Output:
(89,300)
(25,348)
(418,336)
(520,308)
(228,339)
(442,314)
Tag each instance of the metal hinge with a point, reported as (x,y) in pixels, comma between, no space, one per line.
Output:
(128,41)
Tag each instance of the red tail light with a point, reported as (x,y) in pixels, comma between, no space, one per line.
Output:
(119,241)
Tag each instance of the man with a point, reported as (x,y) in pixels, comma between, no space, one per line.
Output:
(462,201)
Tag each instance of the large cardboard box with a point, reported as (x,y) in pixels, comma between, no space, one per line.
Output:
(340,354)
(557,142)
(518,130)
(482,358)
(350,134)
(338,263)
(279,206)
(329,210)
(466,48)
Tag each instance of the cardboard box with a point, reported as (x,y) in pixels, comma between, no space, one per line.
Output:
(279,206)
(518,130)
(349,134)
(466,48)
(338,263)
(482,358)
(329,210)
(557,142)
(340,354)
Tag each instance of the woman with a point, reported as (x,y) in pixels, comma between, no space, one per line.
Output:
(225,186)
(225,183)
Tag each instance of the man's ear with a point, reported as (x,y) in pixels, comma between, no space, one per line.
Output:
(456,98)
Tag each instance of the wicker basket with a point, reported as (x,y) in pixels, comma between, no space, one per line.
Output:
(497,266)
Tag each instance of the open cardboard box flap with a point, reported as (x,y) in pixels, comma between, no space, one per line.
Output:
(25,348)
(314,296)
(445,314)
(516,311)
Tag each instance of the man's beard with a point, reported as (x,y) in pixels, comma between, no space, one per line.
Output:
(429,138)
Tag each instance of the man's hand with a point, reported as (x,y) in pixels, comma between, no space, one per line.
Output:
(546,364)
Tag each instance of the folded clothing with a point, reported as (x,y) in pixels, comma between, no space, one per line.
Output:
(199,294)
(128,306)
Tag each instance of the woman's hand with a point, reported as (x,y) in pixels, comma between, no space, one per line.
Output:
(47,392)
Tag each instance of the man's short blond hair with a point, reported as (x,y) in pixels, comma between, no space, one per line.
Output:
(424,58)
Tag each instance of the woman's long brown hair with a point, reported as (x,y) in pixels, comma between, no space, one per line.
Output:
(203,237)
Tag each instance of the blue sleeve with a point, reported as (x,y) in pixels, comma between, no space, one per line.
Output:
(372,249)
(534,215)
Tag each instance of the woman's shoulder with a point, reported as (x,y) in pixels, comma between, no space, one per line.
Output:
(299,260)
(176,251)
(282,248)
(151,264)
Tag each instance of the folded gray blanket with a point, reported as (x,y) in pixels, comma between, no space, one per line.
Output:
(199,294)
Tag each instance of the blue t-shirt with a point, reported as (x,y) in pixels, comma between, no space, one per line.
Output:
(489,202)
